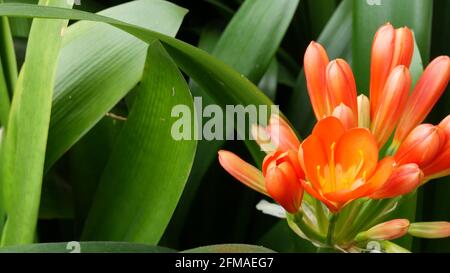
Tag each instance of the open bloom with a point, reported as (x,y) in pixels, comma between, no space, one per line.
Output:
(340,161)
(341,164)
(331,85)
(421,151)
(281,171)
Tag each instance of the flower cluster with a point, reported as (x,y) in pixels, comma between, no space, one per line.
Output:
(340,160)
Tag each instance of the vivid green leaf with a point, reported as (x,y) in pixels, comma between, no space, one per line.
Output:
(23,150)
(84,89)
(148,168)
(248,44)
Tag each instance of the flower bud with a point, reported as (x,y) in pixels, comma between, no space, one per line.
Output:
(346,115)
(421,146)
(363,111)
(390,104)
(385,231)
(430,230)
(282,174)
(242,171)
(403,180)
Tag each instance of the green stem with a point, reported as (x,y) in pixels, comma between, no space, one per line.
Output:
(311,233)
(321,216)
(331,226)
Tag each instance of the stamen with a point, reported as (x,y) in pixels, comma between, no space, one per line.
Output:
(332,167)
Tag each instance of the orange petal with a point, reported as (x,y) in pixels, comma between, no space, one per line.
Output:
(384,170)
(281,134)
(346,116)
(315,63)
(440,166)
(313,155)
(404,47)
(381,174)
(391,104)
(242,171)
(445,125)
(341,85)
(380,65)
(403,180)
(421,146)
(426,93)
(329,130)
(284,186)
(357,147)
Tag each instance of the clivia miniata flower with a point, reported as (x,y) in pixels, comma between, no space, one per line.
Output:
(361,147)
(341,164)
(281,171)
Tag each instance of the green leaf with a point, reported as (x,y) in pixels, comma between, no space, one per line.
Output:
(229,248)
(23,150)
(269,82)
(87,160)
(84,89)
(320,12)
(248,44)
(263,24)
(222,82)
(148,168)
(56,199)
(415,14)
(86,247)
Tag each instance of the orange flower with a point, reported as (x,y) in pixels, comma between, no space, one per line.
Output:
(389,230)
(390,48)
(346,116)
(281,171)
(440,166)
(391,104)
(342,165)
(282,174)
(329,83)
(242,171)
(341,85)
(426,93)
(315,64)
(421,146)
(404,179)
